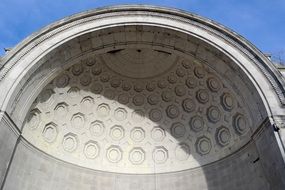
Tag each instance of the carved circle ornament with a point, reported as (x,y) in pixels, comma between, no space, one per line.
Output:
(137,134)
(73,92)
(188,105)
(139,87)
(203,145)
(103,110)
(123,98)
(93,113)
(162,84)
(214,114)
(213,84)
(85,80)
(180,90)
(227,101)
(77,69)
(160,155)
(78,120)
(153,99)
(138,100)
(199,72)
(167,96)
(178,130)
(91,150)
(172,78)
(191,82)
(117,132)
(126,86)
(137,156)
(120,114)
(172,111)
(70,142)
(114,154)
(104,77)
(62,81)
(97,128)
(87,102)
(240,124)
(197,123)
(158,134)
(150,86)
(90,62)
(115,82)
(96,70)
(223,136)
(155,115)
(180,72)
(202,96)
(187,64)
(50,132)
(96,88)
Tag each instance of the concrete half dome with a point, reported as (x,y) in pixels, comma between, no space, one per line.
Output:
(140,97)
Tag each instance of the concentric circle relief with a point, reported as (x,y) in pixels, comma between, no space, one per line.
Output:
(203,145)
(160,155)
(114,154)
(213,114)
(213,84)
(158,134)
(61,110)
(155,115)
(137,134)
(172,111)
(97,128)
(120,114)
(137,156)
(197,123)
(50,132)
(70,142)
(178,130)
(117,132)
(223,136)
(227,101)
(103,110)
(240,124)
(91,149)
(62,81)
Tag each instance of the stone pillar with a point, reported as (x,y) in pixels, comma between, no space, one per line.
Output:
(9,134)
(271,152)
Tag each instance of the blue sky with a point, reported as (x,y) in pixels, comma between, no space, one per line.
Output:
(260,21)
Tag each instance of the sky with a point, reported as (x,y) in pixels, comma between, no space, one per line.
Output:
(262,22)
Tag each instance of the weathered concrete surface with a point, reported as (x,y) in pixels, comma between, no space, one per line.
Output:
(33,170)
(8,139)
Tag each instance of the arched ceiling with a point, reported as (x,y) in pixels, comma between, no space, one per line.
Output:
(139,110)
(138,90)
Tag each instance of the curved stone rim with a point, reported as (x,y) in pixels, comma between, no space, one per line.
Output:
(266,66)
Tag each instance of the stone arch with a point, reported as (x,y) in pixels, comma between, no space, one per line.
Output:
(34,63)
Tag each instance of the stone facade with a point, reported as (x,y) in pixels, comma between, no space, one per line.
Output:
(140,97)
